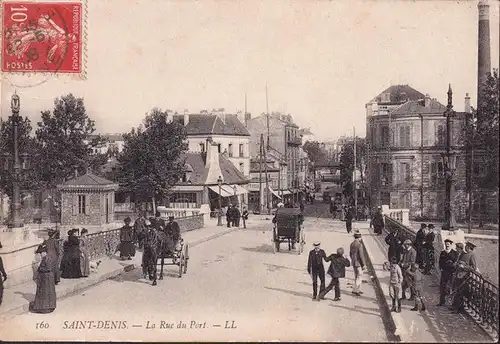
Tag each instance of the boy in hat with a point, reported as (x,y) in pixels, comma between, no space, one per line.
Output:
(419,242)
(357,255)
(395,282)
(447,259)
(409,258)
(336,271)
(316,269)
(415,278)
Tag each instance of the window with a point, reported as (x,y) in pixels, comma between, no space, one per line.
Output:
(385,170)
(404,173)
(385,136)
(242,167)
(405,136)
(385,198)
(479,170)
(404,201)
(436,172)
(440,135)
(230,149)
(81,204)
(202,147)
(242,152)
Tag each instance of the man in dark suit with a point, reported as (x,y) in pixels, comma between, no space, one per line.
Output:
(316,269)
(408,258)
(358,262)
(447,260)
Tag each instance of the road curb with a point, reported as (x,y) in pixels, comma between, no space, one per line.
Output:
(394,327)
(70,290)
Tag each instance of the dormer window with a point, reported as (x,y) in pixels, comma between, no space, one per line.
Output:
(188,172)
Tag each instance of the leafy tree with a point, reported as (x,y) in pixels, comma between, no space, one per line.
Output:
(65,144)
(152,157)
(347,163)
(27,144)
(315,152)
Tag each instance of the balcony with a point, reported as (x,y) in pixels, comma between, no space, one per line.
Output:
(294,141)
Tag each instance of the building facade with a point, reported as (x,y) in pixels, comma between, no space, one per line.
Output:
(284,141)
(406,136)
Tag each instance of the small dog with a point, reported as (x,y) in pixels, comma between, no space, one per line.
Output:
(94,266)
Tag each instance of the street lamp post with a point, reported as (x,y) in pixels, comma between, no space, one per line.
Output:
(448,162)
(18,165)
(219,215)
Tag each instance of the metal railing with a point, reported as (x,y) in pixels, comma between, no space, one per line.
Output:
(482,300)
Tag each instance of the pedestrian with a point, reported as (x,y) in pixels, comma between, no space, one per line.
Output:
(127,249)
(237,216)
(139,227)
(419,242)
(338,263)
(70,263)
(378,221)
(465,266)
(159,222)
(85,258)
(469,257)
(52,244)
(395,282)
(173,234)
(447,260)
(357,255)
(229,216)
(348,219)
(316,269)
(3,277)
(407,260)
(45,297)
(415,278)
(395,241)
(428,250)
(244,216)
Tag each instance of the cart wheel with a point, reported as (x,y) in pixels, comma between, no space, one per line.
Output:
(186,258)
(273,240)
(278,245)
(181,263)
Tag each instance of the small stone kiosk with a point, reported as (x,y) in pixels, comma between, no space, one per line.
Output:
(87,200)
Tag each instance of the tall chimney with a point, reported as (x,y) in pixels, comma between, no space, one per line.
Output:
(427,100)
(483,51)
(467,107)
(186,118)
(208,151)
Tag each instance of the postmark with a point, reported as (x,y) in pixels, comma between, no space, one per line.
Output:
(42,37)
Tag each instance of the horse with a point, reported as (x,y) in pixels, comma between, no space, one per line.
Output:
(156,245)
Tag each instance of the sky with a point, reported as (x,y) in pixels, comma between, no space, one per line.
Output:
(322,61)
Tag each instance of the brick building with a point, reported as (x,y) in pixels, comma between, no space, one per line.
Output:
(406,136)
(87,200)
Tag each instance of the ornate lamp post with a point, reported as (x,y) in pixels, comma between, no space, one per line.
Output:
(219,215)
(20,162)
(448,162)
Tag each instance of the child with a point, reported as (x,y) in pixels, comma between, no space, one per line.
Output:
(337,271)
(415,279)
(395,281)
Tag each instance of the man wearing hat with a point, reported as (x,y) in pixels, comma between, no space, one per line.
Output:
(447,260)
(466,264)
(357,254)
(316,269)
(407,260)
(428,249)
(419,243)
(173,232)
(378,221)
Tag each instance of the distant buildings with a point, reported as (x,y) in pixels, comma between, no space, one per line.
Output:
(406,136)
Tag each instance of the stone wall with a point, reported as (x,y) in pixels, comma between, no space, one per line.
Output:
(94,209)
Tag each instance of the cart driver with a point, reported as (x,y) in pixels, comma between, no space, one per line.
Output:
(173,232)
(280,205)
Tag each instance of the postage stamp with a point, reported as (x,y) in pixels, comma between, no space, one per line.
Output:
(41,37)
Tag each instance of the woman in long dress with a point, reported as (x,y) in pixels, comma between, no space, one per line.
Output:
(45,298)
(52,244)
(70,264)
(84,258)
(127,248)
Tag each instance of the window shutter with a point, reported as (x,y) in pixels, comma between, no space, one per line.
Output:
(408,135)
(87,203)
(390,174)
(75,204)
(433,173)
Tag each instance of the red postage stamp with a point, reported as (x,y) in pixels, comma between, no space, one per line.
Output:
(42,37)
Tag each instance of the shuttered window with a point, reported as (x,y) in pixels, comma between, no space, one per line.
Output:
(82,204)
(405,136)
(436,172)
(440,135)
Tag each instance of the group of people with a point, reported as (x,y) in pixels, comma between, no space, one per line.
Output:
(338,263)
(74,263)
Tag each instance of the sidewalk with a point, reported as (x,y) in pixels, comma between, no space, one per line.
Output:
(16,299)
(436,324)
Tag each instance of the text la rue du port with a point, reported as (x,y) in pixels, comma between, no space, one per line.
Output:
(148,325)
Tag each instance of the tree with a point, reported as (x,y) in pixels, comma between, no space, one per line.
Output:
(315,152)
(152,157)
(64,140)
(27,144)
(347,163)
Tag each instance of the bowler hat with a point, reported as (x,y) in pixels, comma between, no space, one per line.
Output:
(170,217)
(459,245)
(317,243)
(469,244)
(449,240)
(423,225)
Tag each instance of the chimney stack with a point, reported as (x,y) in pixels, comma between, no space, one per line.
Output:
(248,116)
(467,107)
(427,100)
(186,117)
(483,50)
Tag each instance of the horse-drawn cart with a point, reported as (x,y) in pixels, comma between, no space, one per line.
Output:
(288,227)
(179,256)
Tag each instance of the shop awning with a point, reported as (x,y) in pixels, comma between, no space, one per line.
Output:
(223,191)
(274,193)
(239,190)
(229,190)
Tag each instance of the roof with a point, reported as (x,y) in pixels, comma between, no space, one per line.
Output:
(88,179)
(399,94)
(201,124)
(418,107)
(196,162)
